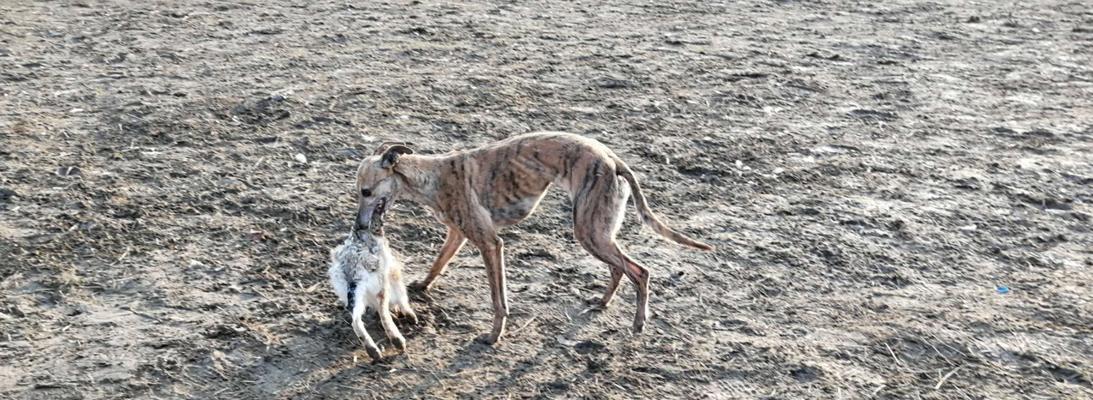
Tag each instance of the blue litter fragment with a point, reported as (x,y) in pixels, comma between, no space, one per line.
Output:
(1003,289)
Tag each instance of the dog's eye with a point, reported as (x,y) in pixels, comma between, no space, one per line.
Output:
(366,192)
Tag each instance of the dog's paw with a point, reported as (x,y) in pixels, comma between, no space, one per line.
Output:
(419,286)
(486,339)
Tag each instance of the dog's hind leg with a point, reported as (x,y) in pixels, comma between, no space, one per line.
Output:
(598,212)
(612,287)
(359,307)
(605,249)
(615,220)
(640,276)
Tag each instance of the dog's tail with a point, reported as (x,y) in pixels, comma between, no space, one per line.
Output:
(647,215)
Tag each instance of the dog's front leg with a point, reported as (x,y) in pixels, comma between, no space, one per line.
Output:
(452,244)
(493,253)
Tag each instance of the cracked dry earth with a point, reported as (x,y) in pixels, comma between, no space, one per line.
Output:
(899,192)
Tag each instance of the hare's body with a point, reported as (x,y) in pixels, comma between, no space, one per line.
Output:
(365,273)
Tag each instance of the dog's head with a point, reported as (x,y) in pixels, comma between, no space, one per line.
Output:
(377,185)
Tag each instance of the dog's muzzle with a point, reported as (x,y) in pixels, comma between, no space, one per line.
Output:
(370,216)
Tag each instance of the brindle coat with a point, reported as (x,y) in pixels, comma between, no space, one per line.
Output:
(476,192)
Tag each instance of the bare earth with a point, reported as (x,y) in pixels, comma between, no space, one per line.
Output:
(875,177)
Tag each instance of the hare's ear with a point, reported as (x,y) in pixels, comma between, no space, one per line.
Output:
(392,154)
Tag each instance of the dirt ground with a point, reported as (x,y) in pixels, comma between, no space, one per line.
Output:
(900,194)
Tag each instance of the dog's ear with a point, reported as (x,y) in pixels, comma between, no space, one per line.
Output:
(386,145)
(382,148)
(391,155)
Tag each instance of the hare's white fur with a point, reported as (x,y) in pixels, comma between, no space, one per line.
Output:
(367,262)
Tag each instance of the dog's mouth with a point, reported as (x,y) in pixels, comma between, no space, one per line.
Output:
(370,218)
(377,215)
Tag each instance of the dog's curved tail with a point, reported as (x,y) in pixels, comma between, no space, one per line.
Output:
(647,215)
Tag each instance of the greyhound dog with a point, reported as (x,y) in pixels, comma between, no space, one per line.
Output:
(478,191)
(364,272)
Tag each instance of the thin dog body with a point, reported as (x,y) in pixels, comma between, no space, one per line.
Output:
(476,192)
(364,273)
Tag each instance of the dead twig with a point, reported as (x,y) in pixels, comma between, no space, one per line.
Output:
(898,361)
(946,377)
(525,325)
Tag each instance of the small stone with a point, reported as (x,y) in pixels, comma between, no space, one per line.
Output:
(566,341)
(613,83)
(300,158)
(68,171)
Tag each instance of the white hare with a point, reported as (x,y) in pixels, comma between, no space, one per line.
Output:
(365,273)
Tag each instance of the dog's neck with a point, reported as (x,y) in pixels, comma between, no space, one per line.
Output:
(420,182)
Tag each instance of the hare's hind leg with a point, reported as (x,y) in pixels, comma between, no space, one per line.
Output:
(359,307)
(401,300)
(384,309)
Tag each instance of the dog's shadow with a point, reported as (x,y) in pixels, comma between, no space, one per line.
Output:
(475,353)
(328,352)
(393,362)
(471,356)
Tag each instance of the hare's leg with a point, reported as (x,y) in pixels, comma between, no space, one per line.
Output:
(401,300)
(384,309)
(358,326)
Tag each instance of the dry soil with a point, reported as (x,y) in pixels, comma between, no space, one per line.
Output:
(900,194)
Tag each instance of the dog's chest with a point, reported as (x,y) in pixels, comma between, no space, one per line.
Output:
(440,216)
